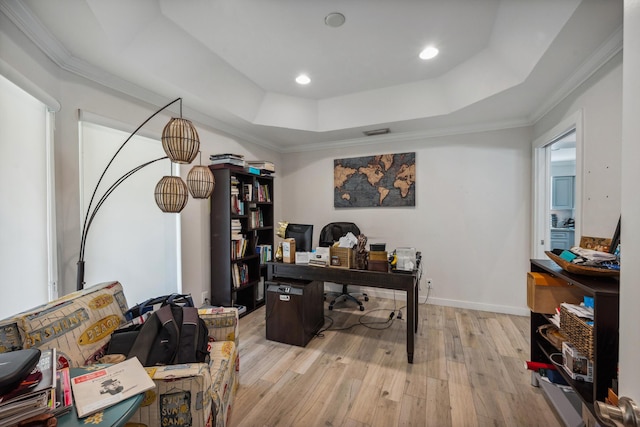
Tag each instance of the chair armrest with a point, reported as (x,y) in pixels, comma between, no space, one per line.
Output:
(222,323)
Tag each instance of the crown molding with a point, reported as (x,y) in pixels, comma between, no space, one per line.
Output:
(32,27)
(412,136)
(599,58)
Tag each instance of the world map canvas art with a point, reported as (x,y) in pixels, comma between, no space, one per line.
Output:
(375,181)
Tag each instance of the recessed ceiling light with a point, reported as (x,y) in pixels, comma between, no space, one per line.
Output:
(303,79)
(429,53)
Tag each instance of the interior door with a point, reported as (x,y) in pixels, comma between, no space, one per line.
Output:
(556,152)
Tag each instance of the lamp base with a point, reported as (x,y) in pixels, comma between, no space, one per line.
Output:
(80,276)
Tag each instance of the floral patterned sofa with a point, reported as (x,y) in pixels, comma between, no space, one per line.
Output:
(79,326)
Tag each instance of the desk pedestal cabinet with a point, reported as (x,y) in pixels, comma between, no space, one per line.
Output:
(295,311)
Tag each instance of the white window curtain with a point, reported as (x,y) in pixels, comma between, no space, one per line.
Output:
(130,240)
(27,222)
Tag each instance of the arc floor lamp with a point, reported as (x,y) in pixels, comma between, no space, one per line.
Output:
(181,144)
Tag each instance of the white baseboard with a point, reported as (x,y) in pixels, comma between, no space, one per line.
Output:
(402,296)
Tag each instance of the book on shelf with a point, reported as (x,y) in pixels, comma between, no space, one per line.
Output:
(102,388)
(247,193)
(232,162)
(240,275)
(263,194)
(238,248)
(264,253)
(262,165)
(256,218)
(226,166)
(226,156)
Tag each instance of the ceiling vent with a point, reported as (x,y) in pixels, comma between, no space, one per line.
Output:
(376,132)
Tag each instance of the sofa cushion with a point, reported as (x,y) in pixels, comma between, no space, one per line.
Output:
(78,325)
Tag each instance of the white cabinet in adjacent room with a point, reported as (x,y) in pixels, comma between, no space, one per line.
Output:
(562,192)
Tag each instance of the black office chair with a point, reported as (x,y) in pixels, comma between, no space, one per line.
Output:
(330,234)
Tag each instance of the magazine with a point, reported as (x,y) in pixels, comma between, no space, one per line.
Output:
(104,387)
(41,378)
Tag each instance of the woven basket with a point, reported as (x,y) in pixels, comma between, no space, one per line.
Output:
(577,332)
(581,269)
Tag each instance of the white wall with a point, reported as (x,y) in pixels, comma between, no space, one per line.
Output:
(629,289)
(599,98)
(75,93)
(79,94)
(471,220)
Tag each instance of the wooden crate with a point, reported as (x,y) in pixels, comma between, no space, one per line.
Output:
(342,257)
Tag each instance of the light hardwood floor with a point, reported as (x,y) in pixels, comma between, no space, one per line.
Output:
(468,370)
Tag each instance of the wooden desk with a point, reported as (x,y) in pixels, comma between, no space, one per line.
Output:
(407,282)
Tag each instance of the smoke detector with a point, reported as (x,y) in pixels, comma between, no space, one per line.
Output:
(334,19)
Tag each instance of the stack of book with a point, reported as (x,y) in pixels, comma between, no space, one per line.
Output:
(227,159)
(265,167)
(236,230)
(45,391)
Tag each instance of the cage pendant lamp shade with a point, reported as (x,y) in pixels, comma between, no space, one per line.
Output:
(201,182)
(171,194)
(180,140)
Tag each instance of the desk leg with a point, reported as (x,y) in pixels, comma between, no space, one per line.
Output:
(412,323)
(416,285)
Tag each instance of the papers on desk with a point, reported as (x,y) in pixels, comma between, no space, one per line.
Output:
(303,257)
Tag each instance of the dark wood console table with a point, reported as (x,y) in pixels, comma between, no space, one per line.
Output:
(405,281)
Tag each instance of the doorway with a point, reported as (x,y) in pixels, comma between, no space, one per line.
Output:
(556,187)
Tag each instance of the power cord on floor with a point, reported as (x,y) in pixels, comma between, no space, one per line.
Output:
(378,324)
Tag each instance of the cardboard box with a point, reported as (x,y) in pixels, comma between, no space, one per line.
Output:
(378,256)
(289,251)
(545,293)
(576,364)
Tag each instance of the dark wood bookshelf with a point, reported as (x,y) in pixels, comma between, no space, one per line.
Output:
(223,290)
